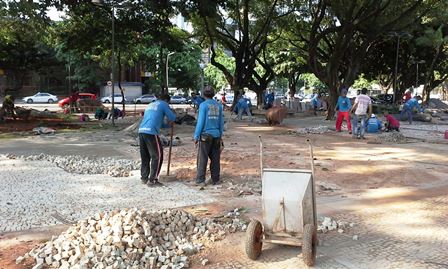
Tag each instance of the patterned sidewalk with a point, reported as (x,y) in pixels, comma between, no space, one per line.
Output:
(409,233)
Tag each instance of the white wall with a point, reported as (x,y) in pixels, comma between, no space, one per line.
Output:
(130,91)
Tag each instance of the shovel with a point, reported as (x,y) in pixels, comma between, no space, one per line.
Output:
(169,177)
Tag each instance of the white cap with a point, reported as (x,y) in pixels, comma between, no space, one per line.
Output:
(373,115)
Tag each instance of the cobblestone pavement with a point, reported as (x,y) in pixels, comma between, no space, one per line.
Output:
(38,193)
(408,232)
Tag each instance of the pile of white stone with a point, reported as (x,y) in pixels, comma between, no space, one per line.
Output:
(130,238)
(328,224)
(313,130)
(86,165)
(391,137)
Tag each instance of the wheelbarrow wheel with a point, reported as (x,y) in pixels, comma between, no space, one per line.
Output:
(309,244)
(254,236)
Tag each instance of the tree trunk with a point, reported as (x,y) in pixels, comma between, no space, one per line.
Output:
(292,84)
(119,83)
(260,99)
(331,105)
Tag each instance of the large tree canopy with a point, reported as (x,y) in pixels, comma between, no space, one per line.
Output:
(336,35)
(241,27)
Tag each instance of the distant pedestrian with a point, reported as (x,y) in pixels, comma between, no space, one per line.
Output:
(407,96)
(269,100)
(223,99)
(362,108)
(208,138)
(408,108)
(196,100)
(316,102)
(151,151)
(343,109)
(391,124)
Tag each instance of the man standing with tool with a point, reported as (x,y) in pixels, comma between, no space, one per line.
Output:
(207,138)
(151,150)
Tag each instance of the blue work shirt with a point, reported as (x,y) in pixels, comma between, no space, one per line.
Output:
(198,100)
(374,125)
(210,119)
(154,116)
(315,101)
(344,104)
(269,98)
(411,103)
(243,103)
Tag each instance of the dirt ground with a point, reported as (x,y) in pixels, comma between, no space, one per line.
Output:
(349,173)
(19,125)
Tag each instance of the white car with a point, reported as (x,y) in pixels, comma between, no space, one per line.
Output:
(41,97)
(117,99)
(145,99)
(178,99)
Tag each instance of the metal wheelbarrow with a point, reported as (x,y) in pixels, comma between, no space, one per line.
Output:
(289,211)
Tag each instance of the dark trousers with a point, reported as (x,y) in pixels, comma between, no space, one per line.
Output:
(407,111)
(208,148)
(151,152)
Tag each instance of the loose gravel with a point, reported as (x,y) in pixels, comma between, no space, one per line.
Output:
(392,137)
(38,193)
(321,129)
(131,238)
(86,165)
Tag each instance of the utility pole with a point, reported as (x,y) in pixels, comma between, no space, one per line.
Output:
(166,69)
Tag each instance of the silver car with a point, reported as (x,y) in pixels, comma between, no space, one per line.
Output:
(41,97)
(145,99)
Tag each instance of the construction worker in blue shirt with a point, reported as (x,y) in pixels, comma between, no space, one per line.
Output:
(269,100)
(409,106)
(207,137)
(151,151)
(243,106)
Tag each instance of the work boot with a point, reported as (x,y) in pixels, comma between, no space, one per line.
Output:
(144,181)
(151,184)
(158,184)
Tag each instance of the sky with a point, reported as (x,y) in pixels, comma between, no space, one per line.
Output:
(54,14)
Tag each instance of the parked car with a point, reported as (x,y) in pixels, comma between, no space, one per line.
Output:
(41,97)
(117,99)
(145,99)
(66,101)
(178,99)
(385,98)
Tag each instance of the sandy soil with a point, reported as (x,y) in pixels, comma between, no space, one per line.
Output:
(344,167)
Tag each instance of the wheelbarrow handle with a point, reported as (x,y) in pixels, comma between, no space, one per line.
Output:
(261,156)
(313,186)
(311,155)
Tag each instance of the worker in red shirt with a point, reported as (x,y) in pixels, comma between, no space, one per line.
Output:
(391,124)
(223,99)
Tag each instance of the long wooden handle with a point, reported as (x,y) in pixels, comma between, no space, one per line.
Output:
(261,156)
(169,151)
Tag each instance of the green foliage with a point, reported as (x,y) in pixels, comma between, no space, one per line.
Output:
(362,82)
(310,81)
(23,31)
(214,76)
